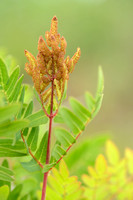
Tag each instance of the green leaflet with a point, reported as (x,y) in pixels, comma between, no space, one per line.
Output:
(31,166)
(37,119)
(4,192)
(12,81)
(21,100)
(6,170)
(58,152)
(42,149)
(25,131)
(100,83)
(47,167)
(3,72)
(72,121)
(64,137)
(58,118)
(33,138)
(12,127)
(90,101)
(5,165)
(98,105)
(29,109)
(80,110)
(7,149)
(15,193)
(5,174)
(15,93)
(7,152)
(8,143)
(8,111)
(5,177)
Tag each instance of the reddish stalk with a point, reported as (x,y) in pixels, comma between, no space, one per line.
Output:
(49,139)
(30,152)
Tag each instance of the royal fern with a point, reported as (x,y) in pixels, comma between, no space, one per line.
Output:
(20,126)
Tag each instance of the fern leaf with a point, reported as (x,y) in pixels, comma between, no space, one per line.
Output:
(31,166)
(37,118)
(3,73)
(12,81)
(77,119)
(15,93)
(42,149)
(64,137)
(33,138)
(9,150)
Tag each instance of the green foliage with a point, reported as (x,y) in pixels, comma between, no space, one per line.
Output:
(21,135)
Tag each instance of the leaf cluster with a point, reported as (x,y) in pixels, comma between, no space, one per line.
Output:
(111,178)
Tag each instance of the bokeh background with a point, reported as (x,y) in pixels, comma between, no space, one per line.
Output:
(103,29)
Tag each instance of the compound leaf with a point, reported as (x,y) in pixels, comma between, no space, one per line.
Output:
(37,119)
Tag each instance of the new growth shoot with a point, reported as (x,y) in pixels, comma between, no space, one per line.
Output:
(50,73)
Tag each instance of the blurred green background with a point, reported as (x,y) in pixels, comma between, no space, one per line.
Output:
(103,29)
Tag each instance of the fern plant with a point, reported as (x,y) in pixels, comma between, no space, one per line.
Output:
(20,126)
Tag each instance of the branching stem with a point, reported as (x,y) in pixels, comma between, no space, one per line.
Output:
(49,139)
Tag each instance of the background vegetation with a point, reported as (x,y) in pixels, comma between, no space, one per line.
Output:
(103,29)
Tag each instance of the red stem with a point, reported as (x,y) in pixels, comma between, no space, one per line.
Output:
(49,139)
(30,152)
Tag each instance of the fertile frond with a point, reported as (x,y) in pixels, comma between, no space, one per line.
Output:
(51,66)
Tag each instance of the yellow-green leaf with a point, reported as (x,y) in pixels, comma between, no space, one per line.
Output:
(89,181)
(129,159)
(4,192)
(112,153)
(63,169)
(101,164)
